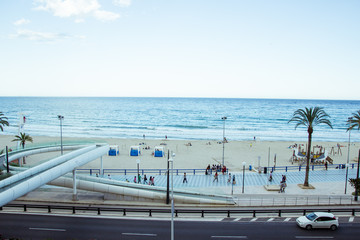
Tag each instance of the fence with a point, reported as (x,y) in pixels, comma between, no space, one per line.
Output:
(282,201)
(92,171)
(179,211)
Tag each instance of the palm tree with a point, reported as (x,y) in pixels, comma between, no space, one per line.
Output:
(3,121)
(354,122)
(310,117)
(23,138)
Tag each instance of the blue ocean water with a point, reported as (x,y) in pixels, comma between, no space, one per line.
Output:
(178,118)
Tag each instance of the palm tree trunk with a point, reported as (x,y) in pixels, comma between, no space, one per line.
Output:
(23,146)
(306,182)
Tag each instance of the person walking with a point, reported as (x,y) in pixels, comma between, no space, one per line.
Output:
(216,177)
(145,179)
(229,179)
(185,179)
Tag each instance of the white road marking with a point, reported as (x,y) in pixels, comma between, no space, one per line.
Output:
(270,219)
(314,237)
(242,237)
(351,219)
(237,219)
(253,220)
(140,234)
(287,219)
(48,229)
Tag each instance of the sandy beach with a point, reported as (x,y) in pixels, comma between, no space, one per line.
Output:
(192,154)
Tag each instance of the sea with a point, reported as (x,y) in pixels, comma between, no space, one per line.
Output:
(175,118)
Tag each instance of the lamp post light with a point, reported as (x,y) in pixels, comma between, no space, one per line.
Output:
(232,186)
(244,164)
(171,160)
(61,118)
(138,170)
(167,180)
(347,162)
(223,155)
(357,178)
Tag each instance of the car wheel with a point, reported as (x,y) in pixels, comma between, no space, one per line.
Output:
(333,227)
(308,227)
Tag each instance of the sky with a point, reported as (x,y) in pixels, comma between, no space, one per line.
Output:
(296,49)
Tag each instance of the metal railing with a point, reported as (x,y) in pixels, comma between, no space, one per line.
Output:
(219,212)
(181,171)
(283,201)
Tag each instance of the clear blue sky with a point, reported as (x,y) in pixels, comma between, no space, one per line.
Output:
(189,48)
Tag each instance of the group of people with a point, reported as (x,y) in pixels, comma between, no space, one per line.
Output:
(215,168)
(145,180)
(231,179)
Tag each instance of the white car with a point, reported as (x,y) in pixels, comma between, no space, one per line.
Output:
(318,220)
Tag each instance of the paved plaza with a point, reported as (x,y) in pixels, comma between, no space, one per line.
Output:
(332,181)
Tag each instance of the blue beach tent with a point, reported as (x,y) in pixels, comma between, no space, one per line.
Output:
(114,150)
(159,152)
(135,151)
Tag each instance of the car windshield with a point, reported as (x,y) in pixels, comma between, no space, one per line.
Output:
(311,216)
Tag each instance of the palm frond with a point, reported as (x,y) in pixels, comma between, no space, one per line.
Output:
(354,121)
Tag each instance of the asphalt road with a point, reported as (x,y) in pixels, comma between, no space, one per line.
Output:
(29,226)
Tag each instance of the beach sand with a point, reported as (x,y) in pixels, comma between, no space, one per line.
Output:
(197,156)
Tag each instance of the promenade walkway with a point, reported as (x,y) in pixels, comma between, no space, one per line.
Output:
(251,178)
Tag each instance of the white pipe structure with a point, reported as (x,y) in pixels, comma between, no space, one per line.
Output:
(134,192)
(159,190)
(49,175)
(45,166)
(28,152)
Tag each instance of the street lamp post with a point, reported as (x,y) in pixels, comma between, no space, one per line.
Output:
(61,118)
(172,195)
(223,155)
(138,170)
(167,180)
(244,164)
(348,156)
(232,186)
(357,178)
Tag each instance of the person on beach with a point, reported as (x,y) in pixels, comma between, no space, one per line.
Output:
(216,177)
(185,179)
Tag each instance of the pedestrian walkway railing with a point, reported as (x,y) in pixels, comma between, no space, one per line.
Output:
(256,200)
(188,171)
(179,171)
(179,212)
